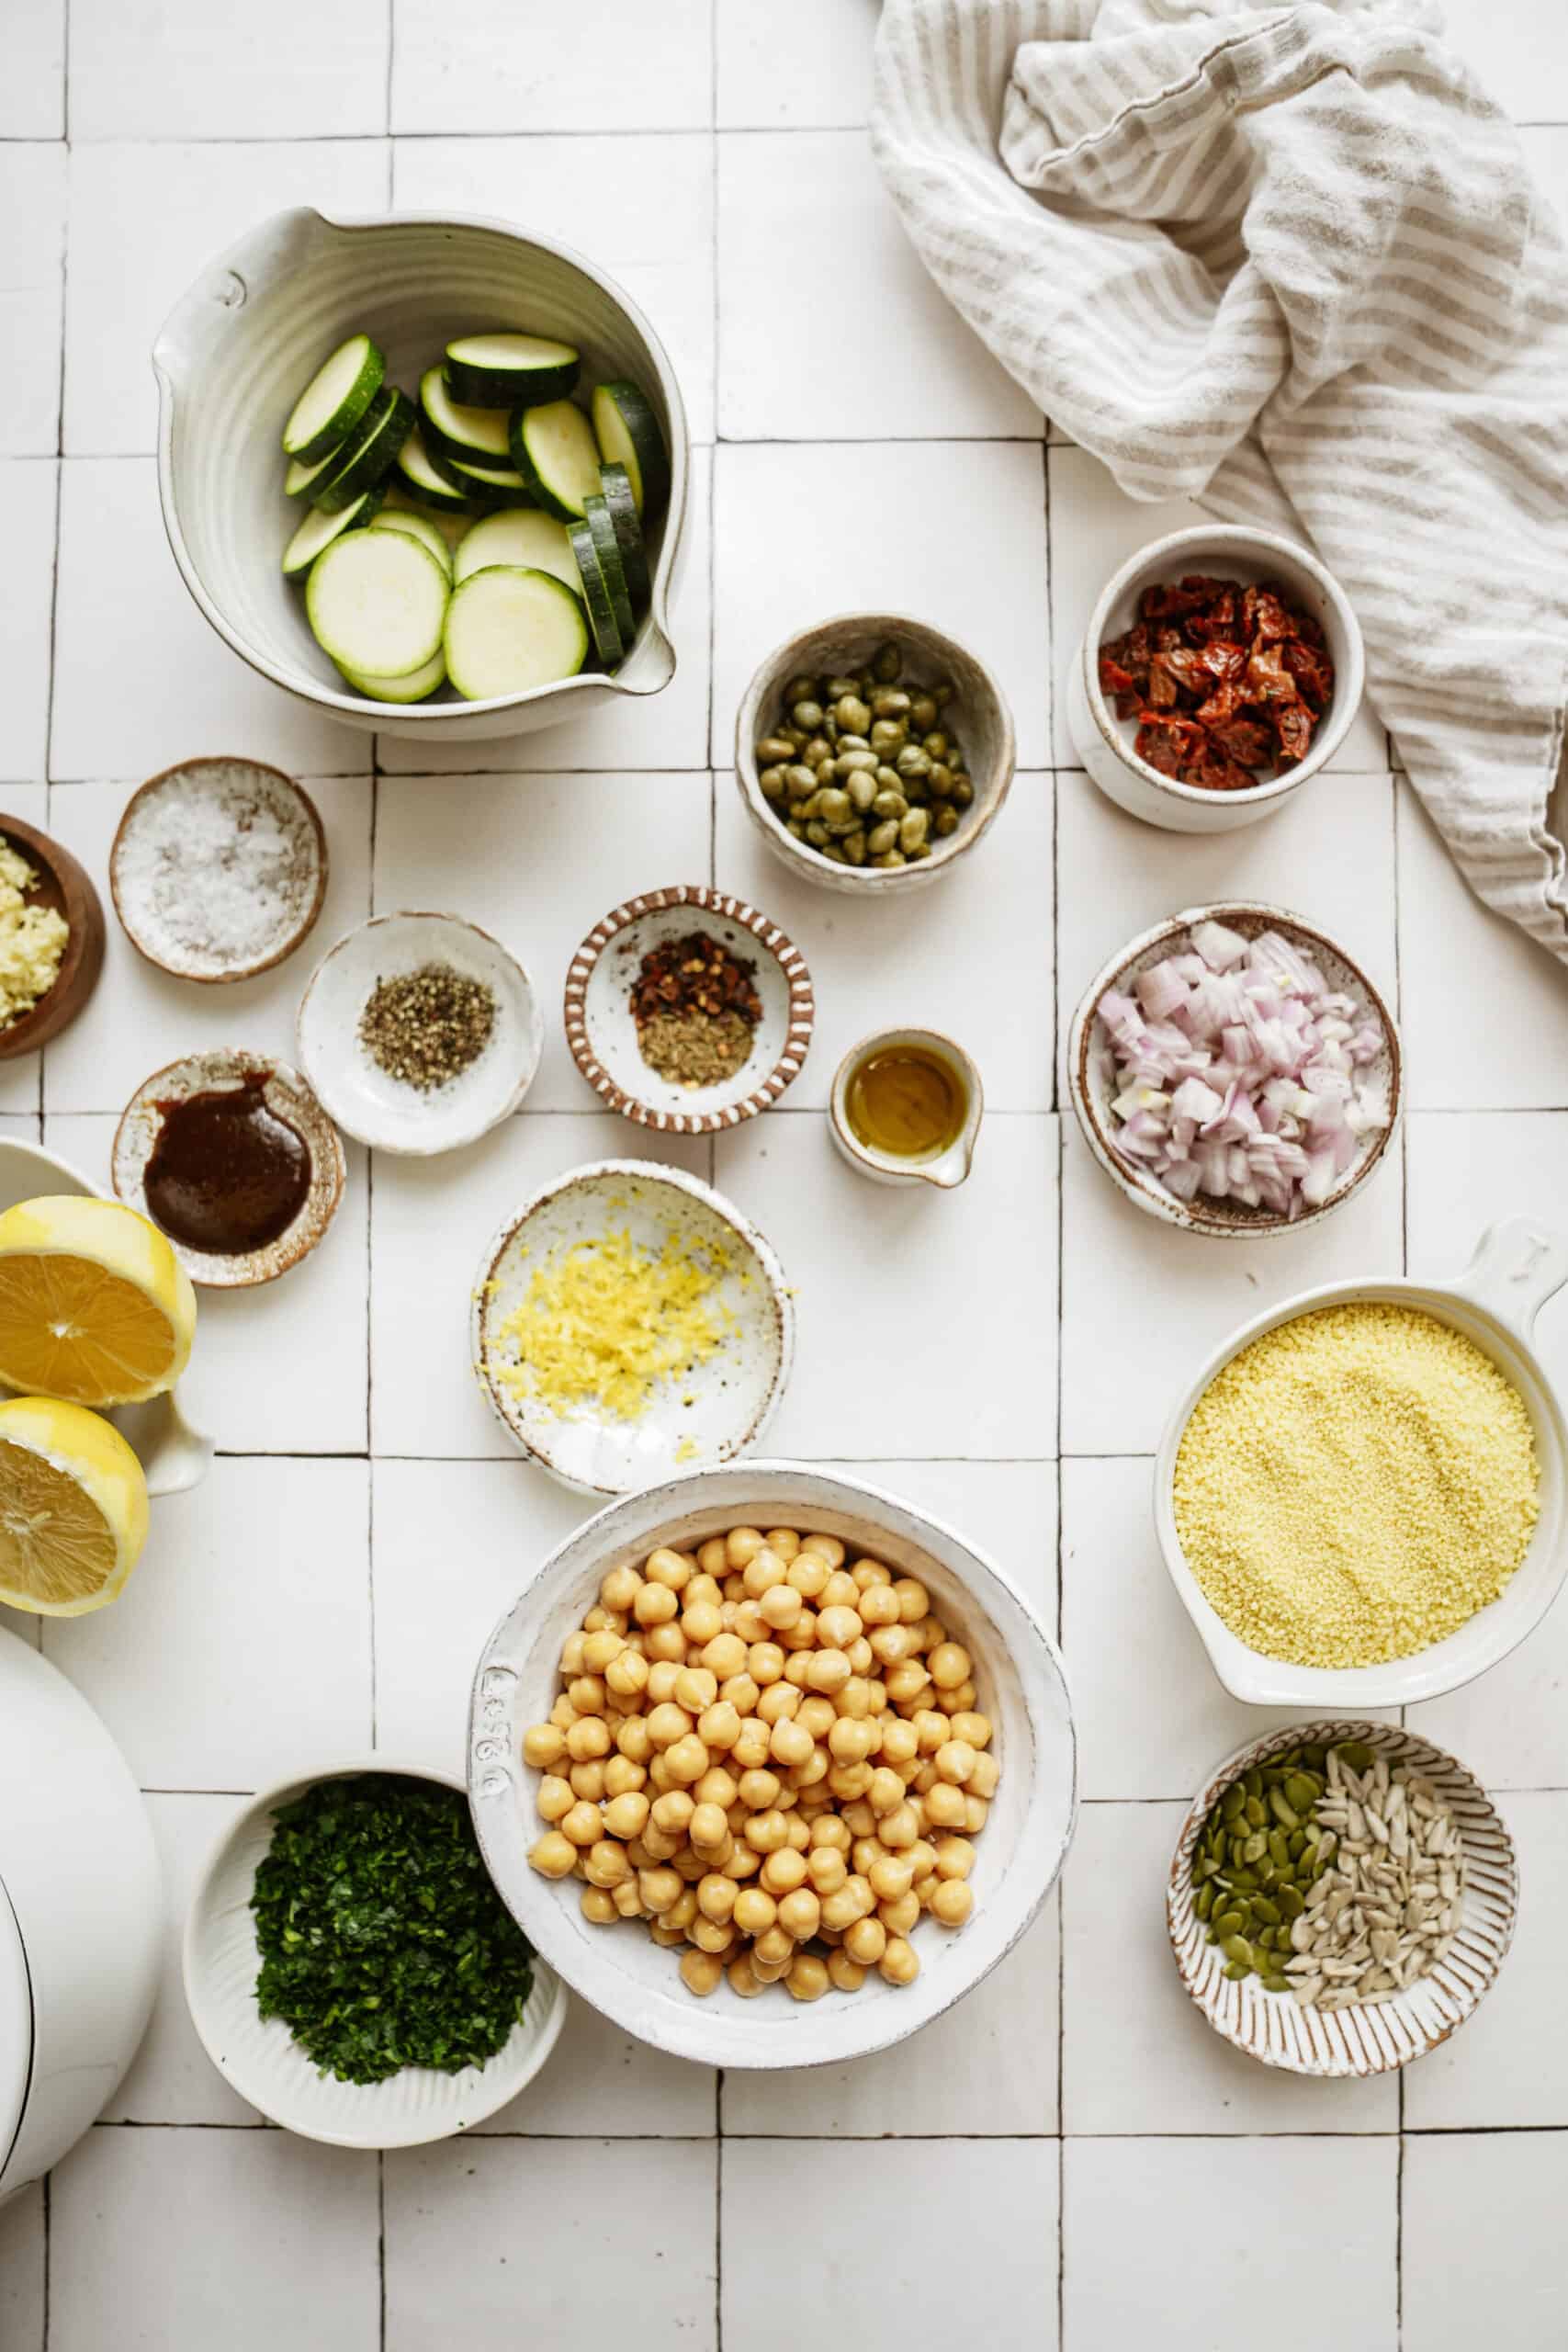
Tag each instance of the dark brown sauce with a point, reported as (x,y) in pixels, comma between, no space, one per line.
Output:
(227,1174)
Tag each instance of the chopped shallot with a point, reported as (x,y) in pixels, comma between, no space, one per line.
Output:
(1237,1071)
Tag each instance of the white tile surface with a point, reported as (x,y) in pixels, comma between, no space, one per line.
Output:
(660,248)
(1137,2054)
(794,67)
(177,69)
(882,1366)
(145,221)
(1508,2066)
(987,588)
(1260,2223)
(22,2270)
(433,1220)
(600,839)
(26,531)
(172,2079)
(598,2079)
(141,679)
(664,731)
(817,216)
(629,2237)
(1095,527)
(32,251)
(867,959)
(1007,1508)
(32,93)
(239,1652)
(1465,2287)
(855,2210)
(190,2239)
(618,66)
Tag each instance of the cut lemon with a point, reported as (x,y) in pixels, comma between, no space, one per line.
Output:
(95,1307)
(72,1508)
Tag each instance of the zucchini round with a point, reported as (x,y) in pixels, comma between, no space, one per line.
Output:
(518,536)
(297,481)
(319,530)
(618,498)
(602,620)
(371,453)
(510,629)
(477,434)
(428,479)
(628,435)
(554,450)
(376,603)
(414,688)
(420,528)
(334,400)
(607,546)
(487,491)
(506,371)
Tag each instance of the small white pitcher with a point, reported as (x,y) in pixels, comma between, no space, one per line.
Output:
(944,1169)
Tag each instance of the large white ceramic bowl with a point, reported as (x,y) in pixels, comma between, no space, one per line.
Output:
(260,2059)
(233,356)
(1022,1686)
(1104,741)
(1517,1267)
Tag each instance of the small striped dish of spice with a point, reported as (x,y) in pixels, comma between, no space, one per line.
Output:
(697,1010)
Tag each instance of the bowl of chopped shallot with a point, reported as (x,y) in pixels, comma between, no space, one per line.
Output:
(1235,1071)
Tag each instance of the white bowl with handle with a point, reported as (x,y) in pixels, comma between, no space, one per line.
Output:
(1493,1302)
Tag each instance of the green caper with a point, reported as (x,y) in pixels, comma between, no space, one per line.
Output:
(835,689)
(942,691)
(817,834)
(912,761)
(944,821)
(912,831)
(890,701)
(853,713)
(815,749)
(886,735)
(799,783)
(772,781)
(889,803)
(807,715)
(793,825)
(854,742)
(940,781)
(882,837)
(776,751)
(848,763)
(826,770)
(886,663)
(854,845)
(936,744)
(890,857)
(836,810)
(963,792)
(922,714)
(861,790)
(836,854)
(888,779)
(799,690)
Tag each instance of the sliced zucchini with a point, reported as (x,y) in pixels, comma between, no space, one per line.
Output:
(334,400)
(486,490)
(554,450)
(318,531)
(372,452)
(509,629)
(519,535)
(476,434)
(420,528)
(618,498)
(602,620)
(629,435)
(607,546)
(377,601)
(431,482)
(414,688)
(297,481)
(506,371)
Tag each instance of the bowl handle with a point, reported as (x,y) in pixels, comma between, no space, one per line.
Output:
(204,311)
(1517,1266)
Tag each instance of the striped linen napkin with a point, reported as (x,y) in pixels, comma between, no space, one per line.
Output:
(1290,262)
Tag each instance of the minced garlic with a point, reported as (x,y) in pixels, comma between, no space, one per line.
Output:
(32,939)
(606,1321)
(1354,1486)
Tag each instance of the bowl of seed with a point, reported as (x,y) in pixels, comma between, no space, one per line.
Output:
(871,751)
(419,1033)
(1342,1896)
(687,1010)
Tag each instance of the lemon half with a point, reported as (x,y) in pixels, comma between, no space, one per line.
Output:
(95,1307)
(72,1508)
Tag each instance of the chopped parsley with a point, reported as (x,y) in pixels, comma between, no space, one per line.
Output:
(383,1943)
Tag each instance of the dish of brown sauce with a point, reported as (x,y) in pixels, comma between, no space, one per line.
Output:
(228,1173)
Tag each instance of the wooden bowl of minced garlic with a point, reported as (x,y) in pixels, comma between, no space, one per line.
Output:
(1361,1497)
(51,938)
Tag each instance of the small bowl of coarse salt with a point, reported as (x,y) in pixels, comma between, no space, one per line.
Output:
(419,1033)
(218,868)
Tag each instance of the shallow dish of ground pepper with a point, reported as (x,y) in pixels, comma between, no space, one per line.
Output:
(696,1008)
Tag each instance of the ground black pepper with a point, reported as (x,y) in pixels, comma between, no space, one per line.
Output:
(426,1027)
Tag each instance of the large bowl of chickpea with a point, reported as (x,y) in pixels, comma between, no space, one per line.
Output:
(770,1767)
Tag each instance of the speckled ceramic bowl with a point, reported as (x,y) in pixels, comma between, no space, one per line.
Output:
(288,1094)
(1093,1084)
(1371,2037)
(64,885)
(206,795)
(713,1411)
(602,1035)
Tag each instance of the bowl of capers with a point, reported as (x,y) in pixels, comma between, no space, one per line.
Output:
(871,750)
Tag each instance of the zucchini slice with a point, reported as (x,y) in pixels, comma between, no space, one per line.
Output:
(297,481)
(554,450)
(629,435)
(432,483)
(420,528)
(414,688)
(377,601)
(509,371)
(334,400)
(607,546)
(510,628)
(452,431)
(518,536)
(371,453)
(601,619)
(318,531)
(617,488)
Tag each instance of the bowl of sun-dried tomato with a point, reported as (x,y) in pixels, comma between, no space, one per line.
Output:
(1221,669)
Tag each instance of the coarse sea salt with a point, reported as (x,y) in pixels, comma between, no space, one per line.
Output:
(218,869)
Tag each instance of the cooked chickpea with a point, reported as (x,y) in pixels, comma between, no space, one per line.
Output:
(827,1670)
(673,1812)
(626,1900)
(606,1863)
(954,1857)
(865,1942)
(666,1643)
(696,1688)
(600,1650)
(743,1978)
(701,1621)
(716,1935)
(626,1816)
(666,1724)
(587,1780)
(774,1946)
(655,1605)
(659,1889)
(554,1799)
(890,1877)
(620,1589)
(780,1607)
(701,1972)
(976,1813)
(708,1827)
(947,1808)
(633,1741)
(806,1979)
(828,1868)
(790,1743)
(621,1777)
(783,1872)
(900,1915)
(952,1902)
(878,1605)
(553,1856)
(898,1827)
(838,1626)
(580,1822)
(808,1573)
(886,1790)
(626,1676)
(963,1699)
(844,1973)
(766,1832)
(906,1681)
(725,1655)
(797,1830)
(718,1727)
(900,1963)
(755,1911)
(669,1937)
(983,1780)
(949,1664)
(543,1745)
(742,1692)
(687,1760)
(800,1913)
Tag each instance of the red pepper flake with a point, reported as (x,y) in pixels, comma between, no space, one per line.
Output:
(1224,680)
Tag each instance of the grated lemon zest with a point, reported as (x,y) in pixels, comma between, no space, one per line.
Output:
(605,1321)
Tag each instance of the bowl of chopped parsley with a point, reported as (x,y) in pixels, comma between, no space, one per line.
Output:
(351,1970)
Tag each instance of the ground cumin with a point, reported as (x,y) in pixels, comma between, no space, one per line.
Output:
(1354,1486)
